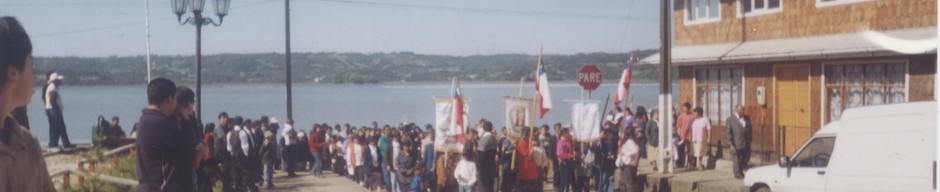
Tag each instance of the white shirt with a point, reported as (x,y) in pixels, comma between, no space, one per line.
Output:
(52,88)
(354,149)
(699,126)
(395,152)
(541,160)
(287,138)
(466,172)
(629,154)
(736,115)
(242,135)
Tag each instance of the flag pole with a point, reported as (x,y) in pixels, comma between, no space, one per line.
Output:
(521,82)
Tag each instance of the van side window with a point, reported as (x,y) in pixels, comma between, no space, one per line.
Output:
(816,153)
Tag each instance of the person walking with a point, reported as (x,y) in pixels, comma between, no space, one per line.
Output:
(268,157)
(54,107)
(701,135)
(506,151)
(487,157)
(164,153)
(316,148)
(565,154)
(23,167)
(466,173)
(605,159)
(738,131)
(627,161)
(652,137)
(528,168)
(684,130)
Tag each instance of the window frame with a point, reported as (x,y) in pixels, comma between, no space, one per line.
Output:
(757,12)
(696,84)
(824,115)
(824,4)
(687,13)
(795,159)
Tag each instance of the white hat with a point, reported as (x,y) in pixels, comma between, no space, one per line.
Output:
(273,120)
(55,76)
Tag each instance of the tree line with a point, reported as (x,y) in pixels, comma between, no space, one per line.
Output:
(337,68)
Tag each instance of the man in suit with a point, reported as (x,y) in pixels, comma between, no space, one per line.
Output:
(738,131)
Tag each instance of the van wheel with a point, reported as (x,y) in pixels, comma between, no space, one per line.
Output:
(762,189)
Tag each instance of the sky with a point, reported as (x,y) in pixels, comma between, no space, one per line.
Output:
(93,28)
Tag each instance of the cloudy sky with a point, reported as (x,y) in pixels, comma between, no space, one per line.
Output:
(90,28)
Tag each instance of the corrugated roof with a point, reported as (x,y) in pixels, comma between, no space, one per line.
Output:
(846,45)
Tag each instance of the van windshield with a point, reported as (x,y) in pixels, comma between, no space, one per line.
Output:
(816,153)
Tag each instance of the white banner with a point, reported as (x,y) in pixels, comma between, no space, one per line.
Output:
(585,118)
(519,113)
(445,138)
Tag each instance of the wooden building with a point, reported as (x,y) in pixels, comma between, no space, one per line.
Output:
(797,64)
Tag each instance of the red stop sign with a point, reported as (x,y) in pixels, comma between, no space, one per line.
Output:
(590,77)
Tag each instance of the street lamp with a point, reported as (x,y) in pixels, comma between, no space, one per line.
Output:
(179,8)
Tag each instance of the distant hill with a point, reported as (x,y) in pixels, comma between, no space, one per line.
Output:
(340,68)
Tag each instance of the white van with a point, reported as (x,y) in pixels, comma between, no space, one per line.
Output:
(878,148)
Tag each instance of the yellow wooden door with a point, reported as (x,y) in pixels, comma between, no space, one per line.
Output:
(792,105)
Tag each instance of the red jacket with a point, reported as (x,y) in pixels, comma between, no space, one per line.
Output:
(315,142)
(528,170)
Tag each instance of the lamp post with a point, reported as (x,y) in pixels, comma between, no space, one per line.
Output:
(221,9)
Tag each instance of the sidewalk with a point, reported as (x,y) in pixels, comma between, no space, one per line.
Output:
(716,178)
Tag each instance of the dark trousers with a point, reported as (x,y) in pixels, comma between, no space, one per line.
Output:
(289,156)
(57,128)
(628,179)
(582,184)
(487,178)
(740,159)
(507,180)
(681,155)
(565,176)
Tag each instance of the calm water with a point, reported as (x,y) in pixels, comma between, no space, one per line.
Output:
(313,103)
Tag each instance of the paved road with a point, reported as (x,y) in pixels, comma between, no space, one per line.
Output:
(304,182)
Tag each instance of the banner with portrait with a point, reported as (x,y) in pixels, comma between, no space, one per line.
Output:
(519,114)
(447,138)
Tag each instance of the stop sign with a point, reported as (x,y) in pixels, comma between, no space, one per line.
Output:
(589,77)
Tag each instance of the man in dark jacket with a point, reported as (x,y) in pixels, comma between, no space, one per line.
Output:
(486,161)
(162,153)
(738,131)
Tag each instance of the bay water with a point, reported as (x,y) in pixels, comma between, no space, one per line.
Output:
(358,105)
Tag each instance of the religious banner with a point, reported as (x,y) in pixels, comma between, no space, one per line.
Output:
(446,137)
(519,114)
(585,118)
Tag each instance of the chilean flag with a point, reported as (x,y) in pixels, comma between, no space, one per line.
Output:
(456,124)
(623,91)
(541,88)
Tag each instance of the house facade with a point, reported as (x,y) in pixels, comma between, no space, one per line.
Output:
(797,64)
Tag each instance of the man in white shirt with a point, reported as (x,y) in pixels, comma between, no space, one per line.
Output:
(54,108)
(627,160)
(701,135)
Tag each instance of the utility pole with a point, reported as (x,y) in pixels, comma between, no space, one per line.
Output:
(665,89)
(290,111)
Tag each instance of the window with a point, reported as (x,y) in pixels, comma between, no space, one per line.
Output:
(829,3)
(702,11)
(856,85)
(758,7)
(816,153)
(718,90)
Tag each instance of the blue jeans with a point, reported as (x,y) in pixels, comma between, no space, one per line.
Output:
(466,188)
(386,177)
(606,180)
(564,175)
(268,173)
(317,161)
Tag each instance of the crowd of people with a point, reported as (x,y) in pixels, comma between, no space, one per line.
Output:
(175,152)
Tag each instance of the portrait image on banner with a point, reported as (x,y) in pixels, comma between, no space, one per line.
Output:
(446,138)
(519,113)
(585,118)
